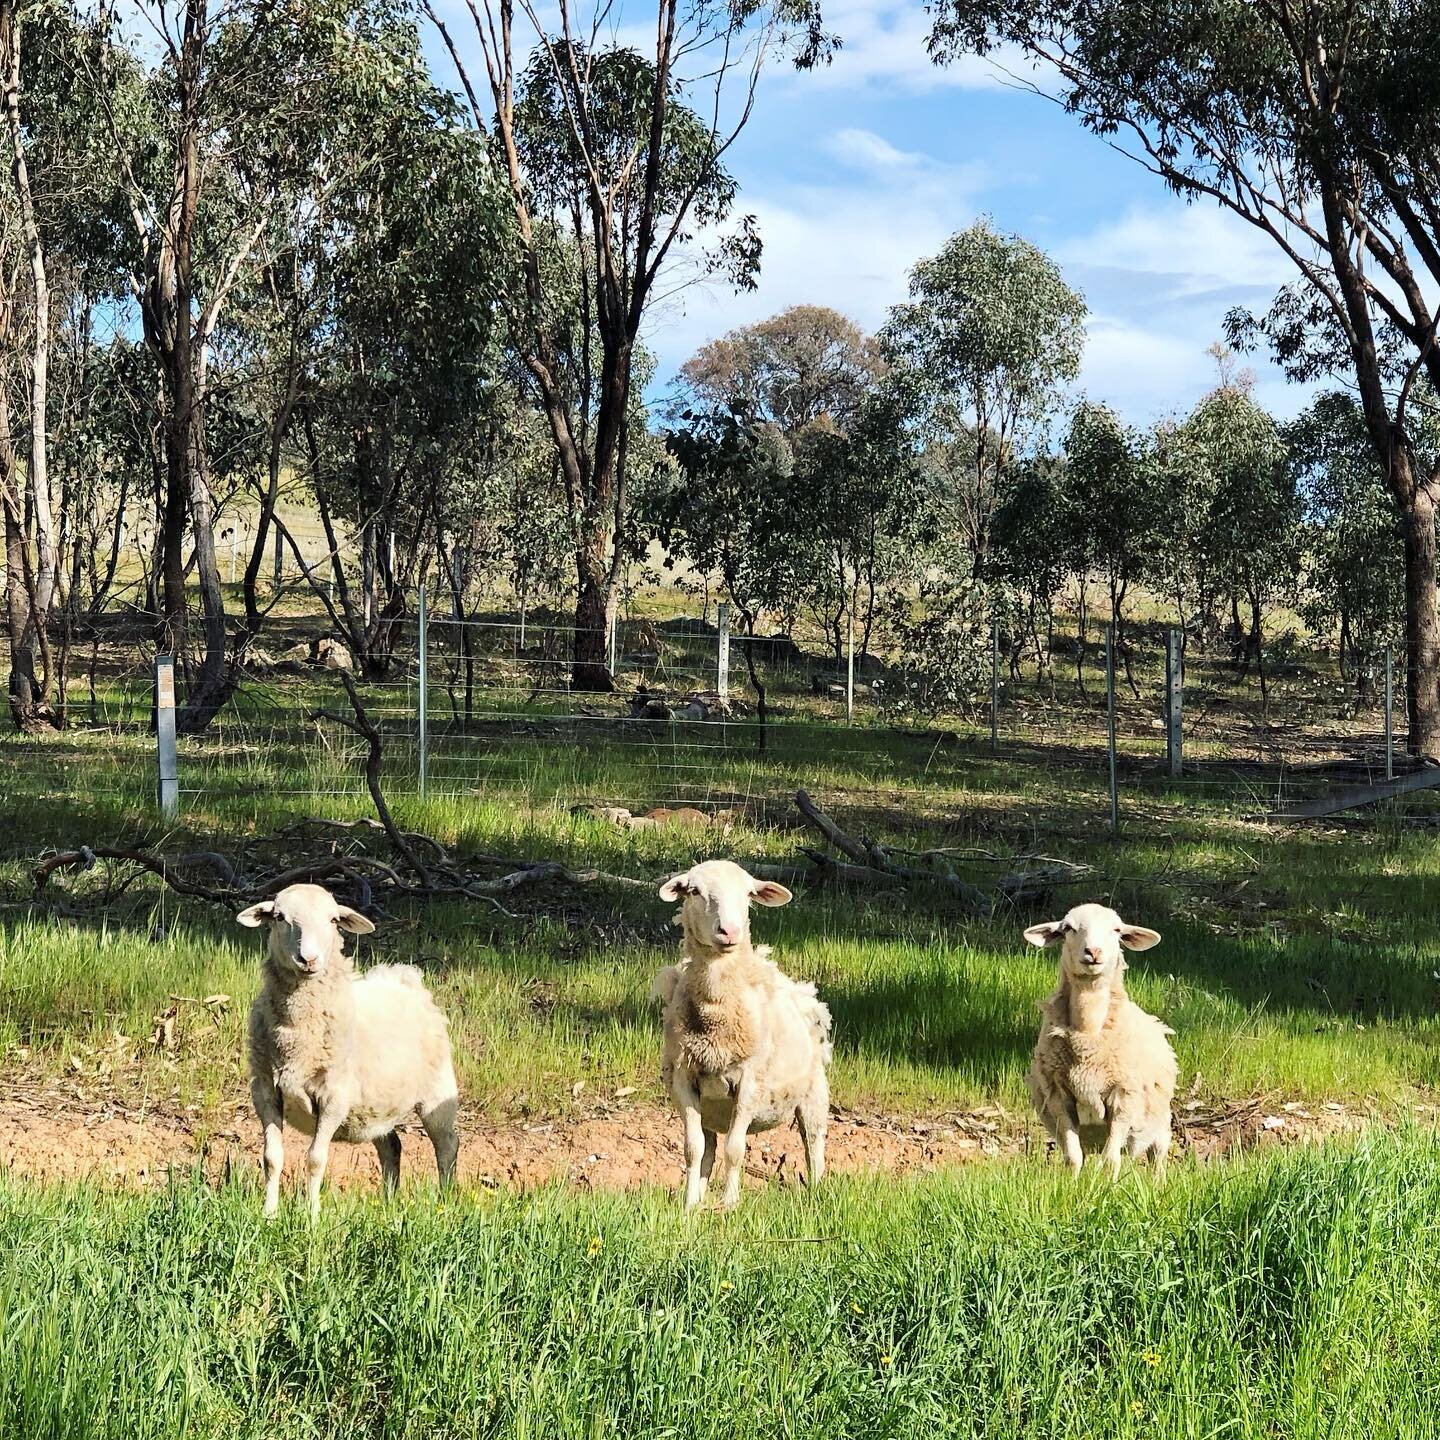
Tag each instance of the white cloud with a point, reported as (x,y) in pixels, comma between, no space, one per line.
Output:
(1200,248)
(849,244)
(884,47)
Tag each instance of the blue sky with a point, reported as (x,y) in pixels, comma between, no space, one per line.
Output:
(857,171)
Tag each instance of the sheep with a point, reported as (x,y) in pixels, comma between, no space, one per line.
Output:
(746,1048)
(1103,1076)
(342,1056)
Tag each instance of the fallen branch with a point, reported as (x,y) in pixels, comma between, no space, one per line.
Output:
(208,875)
(361,726)
(869,863)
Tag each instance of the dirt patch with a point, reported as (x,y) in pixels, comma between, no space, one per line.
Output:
(48,1135)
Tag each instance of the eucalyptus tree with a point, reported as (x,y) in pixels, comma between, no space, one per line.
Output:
(1317,123)
(33,674)
(1037,548)
(807,365)
(1355,572)
(1113,506)
(614,159)
(374,311)
(721,515)
(864,516)
(1251,532)
(983,349)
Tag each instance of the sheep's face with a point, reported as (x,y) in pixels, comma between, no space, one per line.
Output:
(305,923)
(1090,938)
(715,904)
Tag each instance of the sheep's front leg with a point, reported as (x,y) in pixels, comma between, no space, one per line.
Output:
(327,1122)
(1064,1128)
(687,1100)
(1123,1118)
(271,1112)
(735,1140)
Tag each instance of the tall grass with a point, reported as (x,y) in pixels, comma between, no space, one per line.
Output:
(1293,1295)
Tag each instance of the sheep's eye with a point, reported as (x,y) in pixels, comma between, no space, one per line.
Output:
(1119,929)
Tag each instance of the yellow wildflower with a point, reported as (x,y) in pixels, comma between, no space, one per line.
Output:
(726,1285)
(887,1359)
(1137,1409)
(1152,1359)
(596,1245)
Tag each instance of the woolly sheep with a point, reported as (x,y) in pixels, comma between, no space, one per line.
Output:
(342,1056)
(1103,1075)
(746,1048)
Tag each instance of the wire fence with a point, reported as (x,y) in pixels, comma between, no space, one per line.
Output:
(480,707)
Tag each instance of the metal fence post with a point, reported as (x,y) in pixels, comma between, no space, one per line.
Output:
(850,671)
(613,645)
(1110,725)
(1174,700)
(1389,713)
(279,558)
(168,766)
(423,699)
(994,686)
(722,652)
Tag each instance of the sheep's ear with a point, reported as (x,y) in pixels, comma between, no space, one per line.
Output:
(352,922)
(1137,937)
(675,887)
(1049,933)
(257,915)
(767,892)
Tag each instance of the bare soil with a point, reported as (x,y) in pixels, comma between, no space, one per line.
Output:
(47,1134)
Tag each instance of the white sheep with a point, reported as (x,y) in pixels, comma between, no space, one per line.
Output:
(746,1048)
(1103,1076)
(342,1056)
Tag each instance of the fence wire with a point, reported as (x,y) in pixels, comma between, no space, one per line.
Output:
(683,728)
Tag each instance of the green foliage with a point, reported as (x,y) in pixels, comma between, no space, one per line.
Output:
(1249,534)
(991,335)
(942,638)
(808,365)
(1355,573)
(724,513)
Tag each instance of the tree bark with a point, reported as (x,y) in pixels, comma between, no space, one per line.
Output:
(32,676)
(1422,621)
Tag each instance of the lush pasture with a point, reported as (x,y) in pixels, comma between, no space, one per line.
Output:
(1296,962)
(1293,1295)
(1289,1294)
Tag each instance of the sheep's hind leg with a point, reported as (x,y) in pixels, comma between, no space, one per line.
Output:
(387,1147)
(812,1118)
(271,1112)
(440,1125)
(707,1160)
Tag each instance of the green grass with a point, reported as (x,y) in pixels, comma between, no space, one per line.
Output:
(1294,1295)
(1286,1295)
(1296,963)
